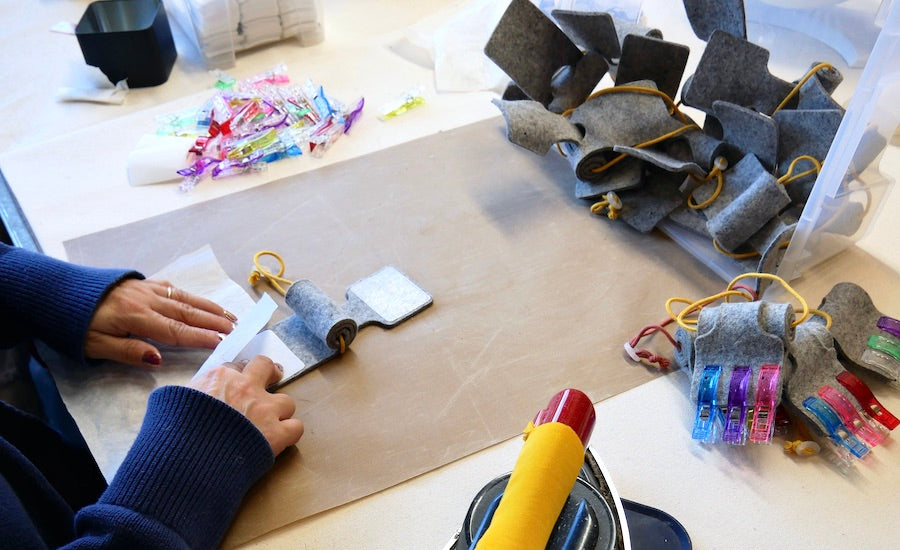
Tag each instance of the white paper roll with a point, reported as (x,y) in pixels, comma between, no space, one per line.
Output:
(157,159)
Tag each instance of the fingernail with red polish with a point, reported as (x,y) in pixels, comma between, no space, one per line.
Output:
(230,316)
(152,358)
(279,367)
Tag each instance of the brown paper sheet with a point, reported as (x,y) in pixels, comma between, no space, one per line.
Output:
(531,294)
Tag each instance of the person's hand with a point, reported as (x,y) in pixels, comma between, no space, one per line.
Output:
(243,386)
(137,309)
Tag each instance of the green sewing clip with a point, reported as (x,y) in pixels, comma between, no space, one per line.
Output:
(883,355)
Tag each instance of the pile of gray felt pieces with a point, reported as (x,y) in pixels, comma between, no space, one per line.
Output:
(755,125)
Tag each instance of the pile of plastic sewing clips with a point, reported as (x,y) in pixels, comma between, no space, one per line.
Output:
(250,123)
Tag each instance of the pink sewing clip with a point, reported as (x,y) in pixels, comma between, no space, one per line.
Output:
(850,416)
(766,397)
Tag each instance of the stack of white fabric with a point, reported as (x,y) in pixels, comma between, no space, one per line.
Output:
(223,27)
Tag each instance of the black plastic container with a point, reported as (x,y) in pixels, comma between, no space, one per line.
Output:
(128,39)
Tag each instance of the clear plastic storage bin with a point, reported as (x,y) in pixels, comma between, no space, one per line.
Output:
(865,36)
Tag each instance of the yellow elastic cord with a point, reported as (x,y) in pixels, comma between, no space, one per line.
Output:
(690,324)
(742,255)
(717,172)
(611,202)
(260,272)
(805,311)
(800,84)
(823,315)
(647,143)
(789,176)
(673,108)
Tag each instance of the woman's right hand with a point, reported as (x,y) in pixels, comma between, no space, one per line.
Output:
(243,387)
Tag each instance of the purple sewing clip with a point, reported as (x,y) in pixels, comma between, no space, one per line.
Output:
(766,397)
(890,325)
(736,414)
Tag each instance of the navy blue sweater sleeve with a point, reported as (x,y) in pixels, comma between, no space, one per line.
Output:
(183,479)
(42,297)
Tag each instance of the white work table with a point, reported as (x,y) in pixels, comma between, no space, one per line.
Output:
(726,497)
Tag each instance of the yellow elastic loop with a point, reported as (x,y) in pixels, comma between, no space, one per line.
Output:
(805,311)
(689,324)
(673,108)
(738,255)
(647,143)
(720,183)
(611,202)
(800,84)
(789,176)
(823,315)
(742,255)
(259,272)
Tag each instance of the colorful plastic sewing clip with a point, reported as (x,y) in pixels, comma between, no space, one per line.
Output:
(241,166)
(867,400)
(832,424)
(707,411)
(889,324)
(883,355)
(850,417)
(736,412)
(763,424)
(409,100)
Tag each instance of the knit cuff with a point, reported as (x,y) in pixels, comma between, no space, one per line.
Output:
(51,299)
(192,463)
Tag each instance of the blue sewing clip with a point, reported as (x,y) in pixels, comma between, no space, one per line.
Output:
(763,424)
(736,413)
(835,428)
(705,421)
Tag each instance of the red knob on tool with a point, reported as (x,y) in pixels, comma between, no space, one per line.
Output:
(572,408)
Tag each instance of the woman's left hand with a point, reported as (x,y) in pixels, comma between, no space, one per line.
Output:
(137,309)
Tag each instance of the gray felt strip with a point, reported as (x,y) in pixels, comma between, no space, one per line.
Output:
(594,31)
(649,58)
(815,364)
(573,85)
(628,174)
(530,125)
(804,133)
(530,48)
(748,131)
(707,16)
(618,118)
(747,213)
(737,178)
(690,219)
(662,160)
(327,320)
(741,334)
(854,318)
(645,206)
(816,92)
(734,70)
(704,147)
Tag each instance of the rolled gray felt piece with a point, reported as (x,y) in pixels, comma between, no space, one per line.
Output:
(324,318)
(749,212)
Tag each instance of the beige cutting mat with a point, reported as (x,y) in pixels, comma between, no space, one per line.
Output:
(531,294)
